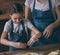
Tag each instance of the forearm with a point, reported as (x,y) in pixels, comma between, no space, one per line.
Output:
(35,33)
(6,42)
(36,36)
(33,39)
(14,44)
(55,24)
(27,12)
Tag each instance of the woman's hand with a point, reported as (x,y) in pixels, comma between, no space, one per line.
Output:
(48,31)
(19,45)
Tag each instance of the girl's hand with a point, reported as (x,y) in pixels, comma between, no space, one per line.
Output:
(19,45)
(48,31)
(34,38)
(31,41)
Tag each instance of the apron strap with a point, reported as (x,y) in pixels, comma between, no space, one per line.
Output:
(12,26)
(50,4)
(23,26)
(34,5)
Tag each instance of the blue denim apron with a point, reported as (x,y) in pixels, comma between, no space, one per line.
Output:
(17,37)
(41,19)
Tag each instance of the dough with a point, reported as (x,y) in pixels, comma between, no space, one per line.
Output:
(28,54)
(54,52)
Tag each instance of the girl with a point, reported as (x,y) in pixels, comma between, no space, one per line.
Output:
(15,28)
(43,16)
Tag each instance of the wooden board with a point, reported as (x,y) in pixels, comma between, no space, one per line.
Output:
(41,50)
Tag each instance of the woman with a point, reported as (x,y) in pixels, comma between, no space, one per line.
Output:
(44,19)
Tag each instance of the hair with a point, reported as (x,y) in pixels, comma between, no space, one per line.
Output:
(16,8)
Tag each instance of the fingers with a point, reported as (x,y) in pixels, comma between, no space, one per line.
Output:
(31,41)
(46,33)
(22,45)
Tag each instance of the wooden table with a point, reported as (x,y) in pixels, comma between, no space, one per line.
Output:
(41,50)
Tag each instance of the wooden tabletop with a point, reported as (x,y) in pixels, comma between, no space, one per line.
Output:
(41,50)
